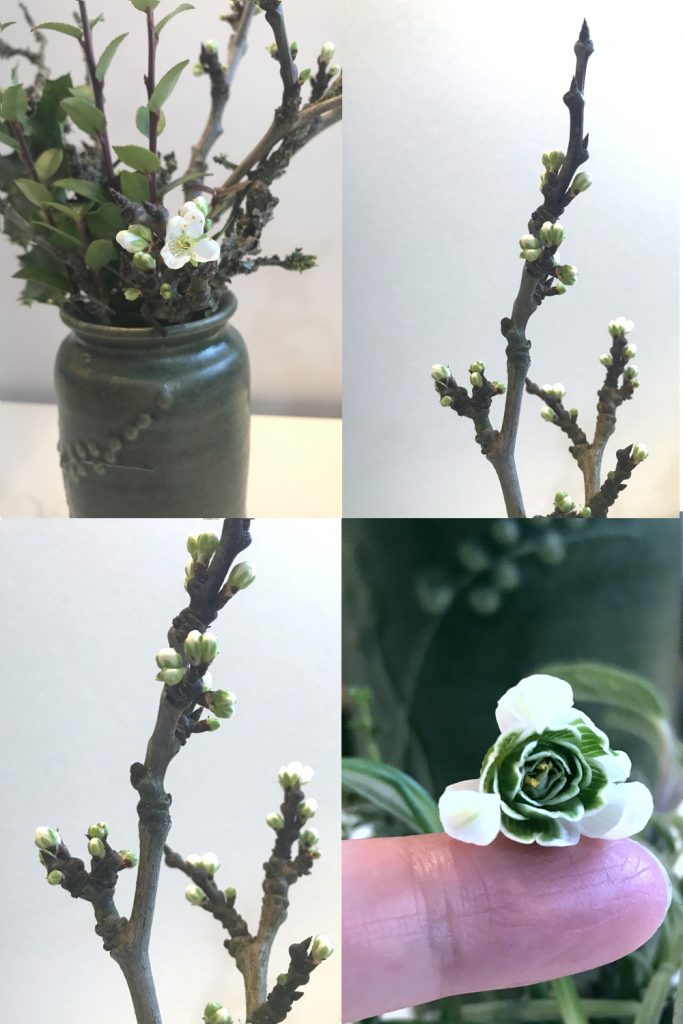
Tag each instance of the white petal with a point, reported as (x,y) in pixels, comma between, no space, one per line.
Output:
(174,262)
(469,815)
(616,766)
(194,221)
(176,228)
(206,250)
(131,242)
(534,703)
(189,207)
(627,811)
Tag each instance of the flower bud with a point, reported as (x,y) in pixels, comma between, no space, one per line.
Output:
(309,838)
(212,723)
(131,294)
(294,773)
(275,821)
(547,414)
(230,893)
(198,70)
(440,372)
(619,327)
(171,676)
(476,380)
(135,238)
(55,878)
(209,1011)
(498,387)
(98,831)
(308,809)
(639,453)
(167,657)
(445,400)
(221,702)
(559,288)
(321,949)
(581,182)
(47,838)
(326,53)
(241,576)
(564,502)
(477,367)
(551,234)
(272,49)
(200,648)
(566,273)
(202,547)
(195,896)
(128,858)
(334,69)
(202,205)
(586,513)
(166,292)
(630,350)
(531,248)
(630,372)
(558,390)
(144,261)
(208,862)
(211,46)
(304,75)
(221,1017)
(553,160)
(606,359)
(96,848)
(315,853)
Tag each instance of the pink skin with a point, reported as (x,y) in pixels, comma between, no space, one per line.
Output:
(426,916)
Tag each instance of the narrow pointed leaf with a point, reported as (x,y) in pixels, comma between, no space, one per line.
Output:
(8,140)
(108,56)
(6,24)
(137,157)
(34,191)
(179,10)
(58,236)
(86,189)
(192,176)
(48,163)
(85,115)
(61,26)
(166,86)
(392,792)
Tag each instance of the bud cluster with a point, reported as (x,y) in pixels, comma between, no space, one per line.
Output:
(294,774)
(220,702)
(200,648)
(564,502)
(207,862)
(171,665)
(215,1013)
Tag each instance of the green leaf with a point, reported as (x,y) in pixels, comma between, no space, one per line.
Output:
(58,235)
(108,56)
(99,253)
(605,684)
(8,140)
(34,191)
(137,157)
(142,121)
(135,186)
(392,792)
(179,10)
(85,115)
(166,86)
(48,163)
(105,221)
(86,189)
(97,20)
(74,211)
(46,122)
(145,5)
(41,266)
(6,24)
(181,181)
(61,26)
(36,292)
(14,103)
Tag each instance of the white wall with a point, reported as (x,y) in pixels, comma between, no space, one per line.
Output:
(449,106)
(291,322)
(87,609)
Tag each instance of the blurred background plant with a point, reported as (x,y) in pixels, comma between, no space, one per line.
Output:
(439,618)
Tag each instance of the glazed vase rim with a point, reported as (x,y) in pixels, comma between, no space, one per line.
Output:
(141,337)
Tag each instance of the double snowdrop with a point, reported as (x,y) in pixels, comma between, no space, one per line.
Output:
(549,778)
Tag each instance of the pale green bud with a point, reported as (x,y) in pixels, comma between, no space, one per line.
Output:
(620,327)
(581,182)
(440,372)
(98,831)
(128,858)
(195,896)
(209,1011)
(308,809)
(559,288)
(198,70)
(639,453)
(200,648)
(96,848)
(202,547)
(272,49)
(166,292)
(630,350)
(221,1017)
(275,821)
(531,255)
(309,838)
(47,838)
(211,46)
(477,367)
(446,400)
(294,773)
(586,513)
(558,390)
(630,372)
(334,69)
(476,380)
(321,949)
(564,502)
(553,160)
(55,878)
(606,359)
(167,657)
(131,294)
(315,853)
(221,702)
(326,53)
(551,234)
(144,261)
(566,273)
(202,205)
(547,414)
(304,75)
(241,576)
(208,862)
(212,723)
(282,979)
(230,893)
(498,387)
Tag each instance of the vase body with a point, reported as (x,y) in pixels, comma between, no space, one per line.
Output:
(153,426)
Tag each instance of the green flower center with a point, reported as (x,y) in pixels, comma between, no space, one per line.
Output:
(541,777)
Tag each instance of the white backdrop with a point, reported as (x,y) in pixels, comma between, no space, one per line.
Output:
(87,605)
(449,107)
(291,322)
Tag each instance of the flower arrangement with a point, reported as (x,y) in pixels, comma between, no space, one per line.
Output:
(189,706)
(549,778)
(101,233)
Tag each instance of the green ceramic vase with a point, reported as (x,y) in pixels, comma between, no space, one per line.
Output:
(153,426)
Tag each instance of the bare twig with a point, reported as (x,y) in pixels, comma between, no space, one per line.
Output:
(153,116)
(615,483)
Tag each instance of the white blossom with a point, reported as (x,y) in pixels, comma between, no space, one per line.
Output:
(187,241)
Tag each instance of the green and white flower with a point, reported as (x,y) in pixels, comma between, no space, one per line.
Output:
(549,778)
(187,241)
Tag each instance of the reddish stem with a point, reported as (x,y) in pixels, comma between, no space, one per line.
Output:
(150,82)
(98,91)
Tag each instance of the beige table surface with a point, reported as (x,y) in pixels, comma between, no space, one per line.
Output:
(295,464)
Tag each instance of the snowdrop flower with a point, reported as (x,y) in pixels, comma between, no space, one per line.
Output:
(186,240)
(549,778)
